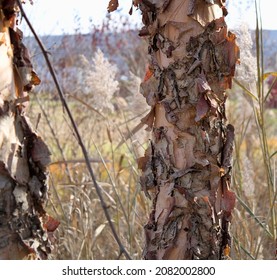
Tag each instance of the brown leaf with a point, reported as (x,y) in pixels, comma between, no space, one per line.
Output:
(113,5)
(51,224)
(35,80)
(137,2)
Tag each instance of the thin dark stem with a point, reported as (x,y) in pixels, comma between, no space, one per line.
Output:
(76,130)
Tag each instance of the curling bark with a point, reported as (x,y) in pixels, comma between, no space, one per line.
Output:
(26,231)
(186,168)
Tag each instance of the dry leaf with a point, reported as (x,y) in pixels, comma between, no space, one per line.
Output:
(99,230)
(113,5)
(35,80)
(51,224)
(136,2)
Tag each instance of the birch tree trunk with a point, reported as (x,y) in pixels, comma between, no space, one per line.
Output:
(186,168)
(25,228)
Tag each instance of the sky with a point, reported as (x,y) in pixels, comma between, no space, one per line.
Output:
(67,16)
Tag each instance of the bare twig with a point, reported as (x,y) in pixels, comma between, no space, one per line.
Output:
(76,130)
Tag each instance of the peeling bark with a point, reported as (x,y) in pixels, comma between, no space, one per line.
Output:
(186,168)
(26,230)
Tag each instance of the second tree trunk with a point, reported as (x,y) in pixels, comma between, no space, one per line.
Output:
(186,168)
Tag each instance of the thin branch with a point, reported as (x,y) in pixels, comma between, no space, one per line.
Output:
(76,130)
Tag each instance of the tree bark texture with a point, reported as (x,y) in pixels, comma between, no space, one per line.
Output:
(186,168)
(25,228)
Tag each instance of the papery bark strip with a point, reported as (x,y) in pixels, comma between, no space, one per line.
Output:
(26,230)
(186,168)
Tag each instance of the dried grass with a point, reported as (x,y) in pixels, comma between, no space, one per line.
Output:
(84,233)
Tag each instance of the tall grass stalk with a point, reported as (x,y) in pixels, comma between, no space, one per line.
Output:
(256,240)
(260,118)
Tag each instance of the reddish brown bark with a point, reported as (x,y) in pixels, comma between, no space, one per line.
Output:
(186,169)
